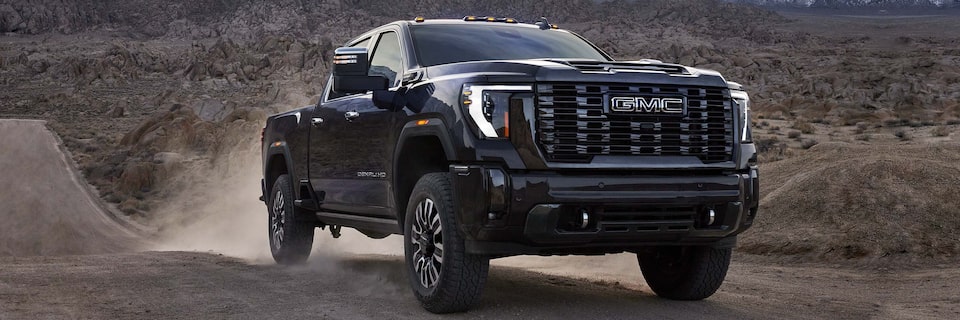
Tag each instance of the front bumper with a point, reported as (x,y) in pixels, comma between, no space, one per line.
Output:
(508,213)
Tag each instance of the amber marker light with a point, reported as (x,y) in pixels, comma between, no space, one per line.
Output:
(422,122)
(506,124)
(418,19)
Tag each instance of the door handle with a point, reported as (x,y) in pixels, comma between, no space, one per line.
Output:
(351,115)
(316,122)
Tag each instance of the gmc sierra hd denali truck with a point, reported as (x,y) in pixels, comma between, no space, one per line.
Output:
(484,137)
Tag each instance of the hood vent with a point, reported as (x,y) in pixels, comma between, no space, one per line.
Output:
(618,66)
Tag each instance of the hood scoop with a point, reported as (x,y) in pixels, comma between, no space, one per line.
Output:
(645,65)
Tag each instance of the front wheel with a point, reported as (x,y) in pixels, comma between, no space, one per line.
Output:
(684,273)
(290,240)
(444,277)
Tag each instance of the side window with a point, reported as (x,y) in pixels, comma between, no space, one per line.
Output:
(333,94)
(387,60)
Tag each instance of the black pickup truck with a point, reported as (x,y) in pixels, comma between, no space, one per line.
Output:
(485,137)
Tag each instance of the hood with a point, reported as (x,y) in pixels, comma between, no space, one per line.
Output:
(586,71)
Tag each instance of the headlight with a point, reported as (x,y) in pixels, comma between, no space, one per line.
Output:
(489,107)
(743,104)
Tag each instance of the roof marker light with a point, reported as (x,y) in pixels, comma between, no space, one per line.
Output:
(418,19)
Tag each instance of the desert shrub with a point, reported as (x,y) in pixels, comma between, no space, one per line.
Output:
(807,144)
(766,144)
(764,124)
(862,126)
(863,137)
(775,128)
(940,131)
(804,127)
(953,122)
(793,135)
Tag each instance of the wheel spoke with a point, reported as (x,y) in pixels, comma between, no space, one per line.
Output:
(438,253)
(429,204)
(434,274)
(435,220)
(419,216)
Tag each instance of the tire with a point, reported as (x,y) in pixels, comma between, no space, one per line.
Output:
(443,276)
(290,240)
(684,273)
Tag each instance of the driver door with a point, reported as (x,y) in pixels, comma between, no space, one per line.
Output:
(351,151)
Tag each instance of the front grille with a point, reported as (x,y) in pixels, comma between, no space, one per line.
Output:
(573,125)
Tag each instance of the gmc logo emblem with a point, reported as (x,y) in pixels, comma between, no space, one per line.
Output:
(646,105)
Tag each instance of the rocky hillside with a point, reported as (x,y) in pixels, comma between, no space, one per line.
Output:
(246,19)
(845,4)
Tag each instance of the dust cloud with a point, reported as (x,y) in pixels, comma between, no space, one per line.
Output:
(231,220)
(216,206)
(219,212)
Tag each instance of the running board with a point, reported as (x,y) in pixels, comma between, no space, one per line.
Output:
(360,222)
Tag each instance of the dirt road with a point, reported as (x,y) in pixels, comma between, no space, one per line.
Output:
(63,257)
(169,285)
(46,206)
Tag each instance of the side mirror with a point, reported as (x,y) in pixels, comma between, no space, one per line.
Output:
(350,67)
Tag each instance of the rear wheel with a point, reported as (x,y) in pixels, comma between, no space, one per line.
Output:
(444,277)
(290,240)
(684,273)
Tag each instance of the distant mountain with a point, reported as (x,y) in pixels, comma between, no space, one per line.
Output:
(840,4)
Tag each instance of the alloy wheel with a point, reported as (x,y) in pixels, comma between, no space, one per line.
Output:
(427,240)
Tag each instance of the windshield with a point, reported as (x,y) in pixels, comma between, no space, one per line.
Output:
(440,44)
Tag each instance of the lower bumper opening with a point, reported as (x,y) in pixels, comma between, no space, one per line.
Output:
(564,223)
(643,219)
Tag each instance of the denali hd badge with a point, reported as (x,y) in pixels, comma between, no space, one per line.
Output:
(646,105)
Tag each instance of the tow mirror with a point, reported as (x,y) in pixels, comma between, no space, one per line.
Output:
(350,67)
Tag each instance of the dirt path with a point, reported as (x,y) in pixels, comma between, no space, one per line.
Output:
(63,257)
(46,207)
(171,285)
